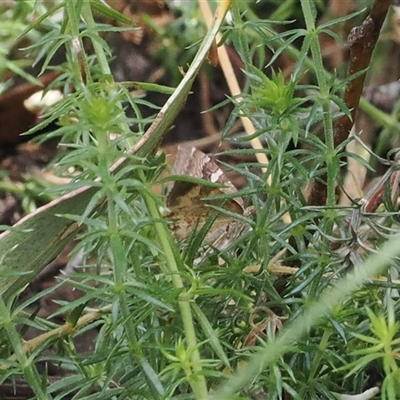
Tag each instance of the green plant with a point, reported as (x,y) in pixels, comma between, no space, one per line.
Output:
(174,322)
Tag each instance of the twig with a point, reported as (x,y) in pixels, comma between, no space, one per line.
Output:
(233,85)
(66,329)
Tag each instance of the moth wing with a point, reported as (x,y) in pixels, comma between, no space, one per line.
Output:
(193,162)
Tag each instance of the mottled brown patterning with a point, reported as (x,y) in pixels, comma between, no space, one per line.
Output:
(189,204)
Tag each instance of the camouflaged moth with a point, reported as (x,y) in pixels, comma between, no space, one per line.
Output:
(189,203)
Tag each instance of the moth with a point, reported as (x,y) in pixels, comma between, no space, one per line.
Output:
(190,206)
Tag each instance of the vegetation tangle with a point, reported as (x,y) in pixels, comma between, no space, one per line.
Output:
(267,272)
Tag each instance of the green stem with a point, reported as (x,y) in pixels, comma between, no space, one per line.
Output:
(116,244)
(105,68)
(198,383)
(239,38)
(317,359)
(309,15)
(28,369)
(100,54)
(73,26)
(120,264)
(120,268)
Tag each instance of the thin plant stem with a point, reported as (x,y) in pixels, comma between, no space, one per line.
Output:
(233,84)
(121,264)
(66,329)
(309,16)
(28,368)
(120,268)
(76,50)
(198,383)
(105,68)
(100,54)
(321,348)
